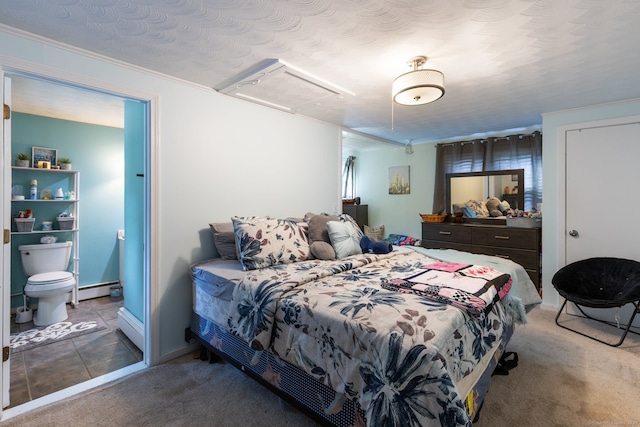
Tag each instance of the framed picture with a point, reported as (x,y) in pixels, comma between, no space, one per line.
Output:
(41,155)
(399,180)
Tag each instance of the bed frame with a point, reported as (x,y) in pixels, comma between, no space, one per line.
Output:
(296,387)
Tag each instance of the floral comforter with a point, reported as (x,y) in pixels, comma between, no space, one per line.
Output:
(349,324)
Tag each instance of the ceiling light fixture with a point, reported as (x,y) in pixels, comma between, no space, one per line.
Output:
(419,86)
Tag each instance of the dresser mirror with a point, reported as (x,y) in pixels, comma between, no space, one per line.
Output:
(504,184)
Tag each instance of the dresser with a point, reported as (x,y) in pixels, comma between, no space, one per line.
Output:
(360,213)
(521,245)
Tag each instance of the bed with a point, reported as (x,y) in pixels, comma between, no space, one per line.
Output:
(406,338)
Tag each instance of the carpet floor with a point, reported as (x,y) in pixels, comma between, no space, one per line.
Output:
(563,379)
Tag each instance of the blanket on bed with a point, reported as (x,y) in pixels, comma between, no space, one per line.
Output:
(399,354)
(472,288)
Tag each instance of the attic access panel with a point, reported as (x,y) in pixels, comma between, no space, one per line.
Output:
(279,85)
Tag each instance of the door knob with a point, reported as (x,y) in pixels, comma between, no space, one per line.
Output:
(573,233)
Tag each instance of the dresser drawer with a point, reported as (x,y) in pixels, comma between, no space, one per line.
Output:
(439,244)
(506,237)
(446,233)
(526,258)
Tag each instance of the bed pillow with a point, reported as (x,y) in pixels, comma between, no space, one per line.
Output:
(348,218)
(345,238)
(374,233)
(224,239)
(265,242)
(319,241)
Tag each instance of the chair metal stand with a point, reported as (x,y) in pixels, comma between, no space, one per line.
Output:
(636,310)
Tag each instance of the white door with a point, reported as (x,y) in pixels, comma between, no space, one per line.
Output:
(5,285)
(602,175)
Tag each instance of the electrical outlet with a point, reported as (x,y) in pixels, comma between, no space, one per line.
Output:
(335,208)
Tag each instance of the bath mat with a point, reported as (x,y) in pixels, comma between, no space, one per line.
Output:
(42,335)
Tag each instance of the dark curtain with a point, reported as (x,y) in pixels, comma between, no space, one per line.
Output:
(492,154)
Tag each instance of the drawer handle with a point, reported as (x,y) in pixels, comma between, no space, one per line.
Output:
(445,233)
(502,237)
(503,256)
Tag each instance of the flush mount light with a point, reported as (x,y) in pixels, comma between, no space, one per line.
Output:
(418,87)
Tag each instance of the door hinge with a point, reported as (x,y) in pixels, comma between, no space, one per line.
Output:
(5,354)
(6,236)
(7,112)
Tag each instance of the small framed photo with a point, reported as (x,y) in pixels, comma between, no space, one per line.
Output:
(43,156)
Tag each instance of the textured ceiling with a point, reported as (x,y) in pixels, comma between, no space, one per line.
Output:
(505,61)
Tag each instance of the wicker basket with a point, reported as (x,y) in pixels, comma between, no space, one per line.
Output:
(65,222)
(24,224)
(432,217)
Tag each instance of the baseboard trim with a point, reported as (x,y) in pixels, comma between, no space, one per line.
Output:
(131,327)
(95,291)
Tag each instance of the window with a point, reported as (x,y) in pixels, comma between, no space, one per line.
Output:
(492,154)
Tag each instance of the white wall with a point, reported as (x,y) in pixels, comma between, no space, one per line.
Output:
(554,125)
(217,157)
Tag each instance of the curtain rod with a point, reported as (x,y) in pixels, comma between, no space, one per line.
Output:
(483,140)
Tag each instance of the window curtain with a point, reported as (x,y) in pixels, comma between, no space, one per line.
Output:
(349,178)
(492,154)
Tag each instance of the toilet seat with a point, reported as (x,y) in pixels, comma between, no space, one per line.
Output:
(50,278)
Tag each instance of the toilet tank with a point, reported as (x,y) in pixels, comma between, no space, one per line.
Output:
(43,258)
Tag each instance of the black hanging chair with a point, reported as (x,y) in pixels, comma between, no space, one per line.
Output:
(600,283)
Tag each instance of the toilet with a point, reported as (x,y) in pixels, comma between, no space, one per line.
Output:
(46,265)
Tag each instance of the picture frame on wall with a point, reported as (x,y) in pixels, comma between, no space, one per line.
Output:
(399,180)
(44,156)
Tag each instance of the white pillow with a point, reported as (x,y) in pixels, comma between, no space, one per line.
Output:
(345,238)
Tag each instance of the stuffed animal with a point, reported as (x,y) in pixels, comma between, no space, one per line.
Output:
(493,205)
(372,247)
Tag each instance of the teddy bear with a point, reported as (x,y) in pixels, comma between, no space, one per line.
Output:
(494,207)
(370,246)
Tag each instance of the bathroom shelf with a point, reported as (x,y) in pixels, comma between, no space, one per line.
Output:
(48,210)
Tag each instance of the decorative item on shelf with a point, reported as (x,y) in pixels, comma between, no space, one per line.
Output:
(17,192)
(46,195)
(64,163)
(44,165)
(65,222)
(458,217)
(41,154)
(433,217)
(24,221)
(47,225)
(59,194)
(22,160)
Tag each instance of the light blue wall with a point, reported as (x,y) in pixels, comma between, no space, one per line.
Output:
(399,213)
(97,152)
(135,124)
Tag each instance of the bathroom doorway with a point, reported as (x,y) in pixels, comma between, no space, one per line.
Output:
(84,95)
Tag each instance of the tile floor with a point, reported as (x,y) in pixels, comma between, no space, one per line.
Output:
(49,368)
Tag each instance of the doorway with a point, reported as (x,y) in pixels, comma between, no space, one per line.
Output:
(82,98)
(601,166)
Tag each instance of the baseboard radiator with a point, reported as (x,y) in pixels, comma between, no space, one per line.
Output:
(131,327)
